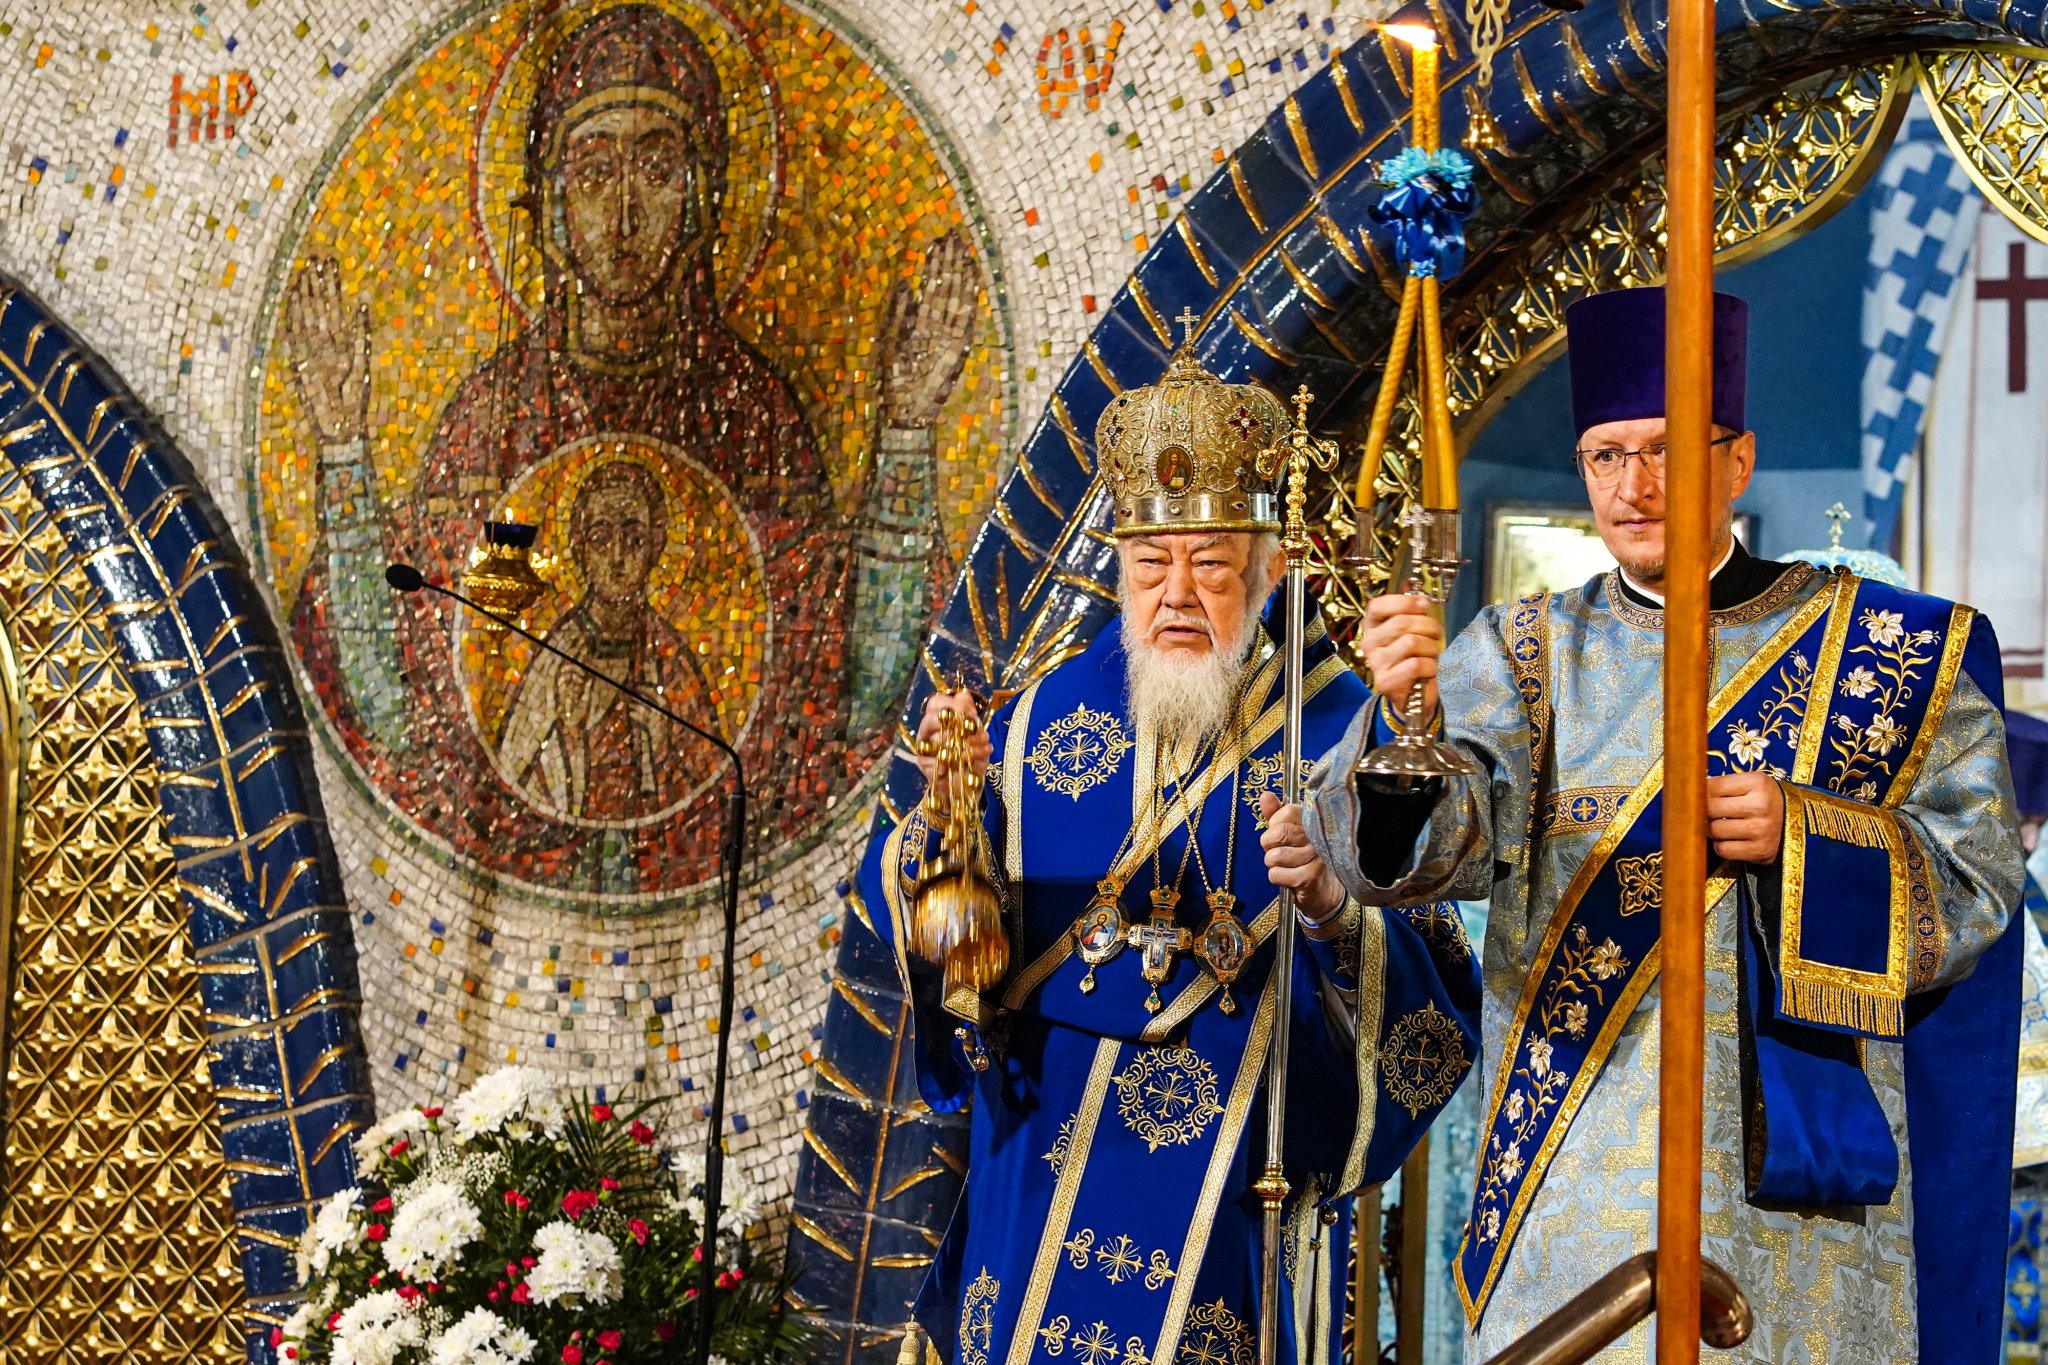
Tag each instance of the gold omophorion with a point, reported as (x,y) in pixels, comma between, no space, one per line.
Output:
(956,914)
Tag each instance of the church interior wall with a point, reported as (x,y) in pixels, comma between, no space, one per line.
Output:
(181,183)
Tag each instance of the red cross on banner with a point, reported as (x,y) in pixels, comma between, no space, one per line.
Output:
(2015,291)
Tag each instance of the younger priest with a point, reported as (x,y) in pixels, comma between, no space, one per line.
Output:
(1864,864)
(1117,1072)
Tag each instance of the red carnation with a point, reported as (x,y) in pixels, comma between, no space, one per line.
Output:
(639,1230)
(601,1113)
(382,1205)
(411,1292)
(576,1203)
(433,1113)
(375,1232)
(610,1338)
(276,1337)
(400,1147)
(572,1355)
(333,1321)
(518,1200)
(607,1184)
(664,1331)
(522,1292)
(642,1134)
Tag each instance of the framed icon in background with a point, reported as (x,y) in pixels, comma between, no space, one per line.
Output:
(1548,547)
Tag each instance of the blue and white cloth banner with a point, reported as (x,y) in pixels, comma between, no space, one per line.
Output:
(1921,227)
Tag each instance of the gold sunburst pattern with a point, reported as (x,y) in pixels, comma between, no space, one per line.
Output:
(1167,1096)
(1080,750)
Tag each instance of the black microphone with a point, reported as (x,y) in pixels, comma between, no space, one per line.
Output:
(406,578)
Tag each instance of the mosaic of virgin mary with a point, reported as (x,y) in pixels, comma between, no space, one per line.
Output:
(689,527)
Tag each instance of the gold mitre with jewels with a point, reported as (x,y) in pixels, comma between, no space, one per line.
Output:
(1182,454)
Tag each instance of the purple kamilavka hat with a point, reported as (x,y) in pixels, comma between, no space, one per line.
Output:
(1616,346)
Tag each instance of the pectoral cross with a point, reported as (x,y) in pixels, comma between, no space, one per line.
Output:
(1158,940)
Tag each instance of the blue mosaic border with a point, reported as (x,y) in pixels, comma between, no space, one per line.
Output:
(257,879)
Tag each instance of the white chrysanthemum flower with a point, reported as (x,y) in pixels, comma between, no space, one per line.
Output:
(296,1330)
(373,1142)
(433,1222)
(480,1338)
(333,1229)
(739,1204)
(574,1263)
(374,1330)
(509,1096)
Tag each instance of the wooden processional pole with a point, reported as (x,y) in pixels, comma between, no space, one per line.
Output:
(1688,350)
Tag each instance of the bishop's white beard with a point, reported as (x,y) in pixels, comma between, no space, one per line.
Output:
(1181,698)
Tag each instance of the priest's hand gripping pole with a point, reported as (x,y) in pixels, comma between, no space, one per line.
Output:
(1296,454)
(1688,350)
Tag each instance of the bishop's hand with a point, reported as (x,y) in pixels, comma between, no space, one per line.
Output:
(927,335)
(979,749)
(1292,861)
(327,350)
(1400,641)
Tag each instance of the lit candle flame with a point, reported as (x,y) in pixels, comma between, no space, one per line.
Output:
(1415,35)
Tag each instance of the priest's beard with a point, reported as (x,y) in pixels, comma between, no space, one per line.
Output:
(1187,699)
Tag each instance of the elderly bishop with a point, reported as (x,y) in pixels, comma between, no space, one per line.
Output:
(1864,862)
(1131,825)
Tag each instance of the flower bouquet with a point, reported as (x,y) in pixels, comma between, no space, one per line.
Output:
(524,1224)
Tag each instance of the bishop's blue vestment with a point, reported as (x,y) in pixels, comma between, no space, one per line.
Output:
(1108,1217)
(1860,1032)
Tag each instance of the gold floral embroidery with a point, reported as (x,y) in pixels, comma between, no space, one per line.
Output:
(1167,1096)
(1061,1143)
(1216,1336)
(1536,1086)
(1055,1334)
(1862,754)
(978,1318)
(1642,882)
(1078,1246)
(1082,749)
(1749,746)
(1442,927)
(1159,1271)
(1423,1060)
(1263,775)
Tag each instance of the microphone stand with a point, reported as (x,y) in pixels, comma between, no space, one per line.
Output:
(407,579)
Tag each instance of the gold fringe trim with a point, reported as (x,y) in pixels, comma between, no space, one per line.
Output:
(1840,1006)
(1846,824)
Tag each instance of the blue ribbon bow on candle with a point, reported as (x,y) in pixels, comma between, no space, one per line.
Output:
(1429,196)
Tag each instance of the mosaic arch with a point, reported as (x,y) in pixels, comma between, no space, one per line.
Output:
(177,888)
(1279,259)
(691,286)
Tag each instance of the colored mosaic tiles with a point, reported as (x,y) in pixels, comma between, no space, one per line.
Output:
(911,241)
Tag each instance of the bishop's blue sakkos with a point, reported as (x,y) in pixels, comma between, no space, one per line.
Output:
(1116,1069)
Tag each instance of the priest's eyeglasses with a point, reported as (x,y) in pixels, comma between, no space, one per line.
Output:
(1601,466)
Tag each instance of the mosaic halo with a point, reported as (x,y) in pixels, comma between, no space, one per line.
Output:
(754,131)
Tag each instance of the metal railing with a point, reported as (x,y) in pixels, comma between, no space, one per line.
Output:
(1620,1299)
